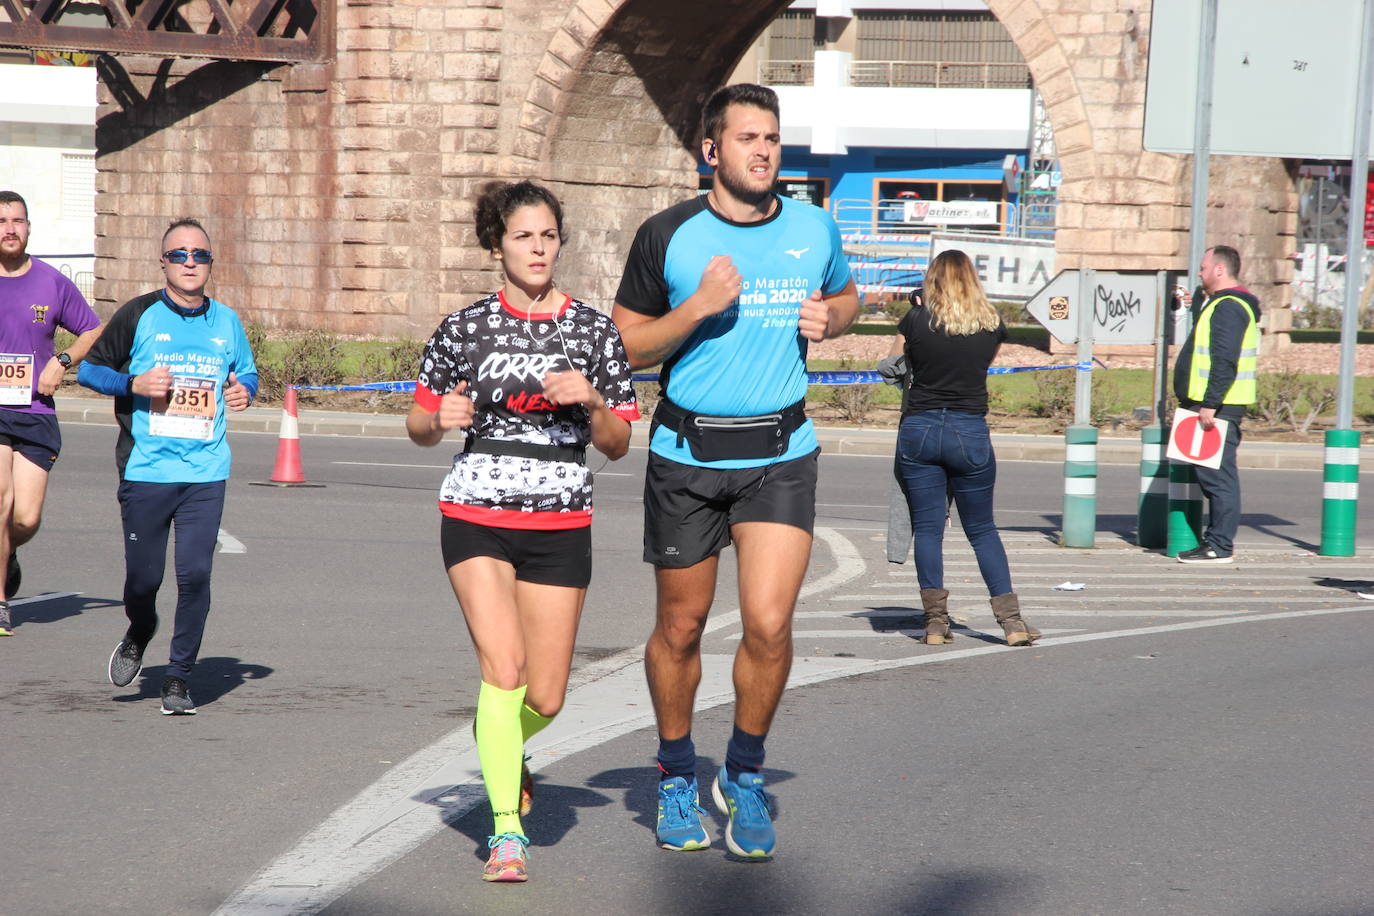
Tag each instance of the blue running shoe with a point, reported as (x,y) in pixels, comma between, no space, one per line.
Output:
(679,816)
(750,831)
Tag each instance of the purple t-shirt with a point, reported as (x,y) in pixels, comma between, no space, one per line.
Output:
(32,308)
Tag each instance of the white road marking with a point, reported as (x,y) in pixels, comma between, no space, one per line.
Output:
(49,596)
(1121,599)
(1110,578)
(961,630)
(230,544)
(441,783)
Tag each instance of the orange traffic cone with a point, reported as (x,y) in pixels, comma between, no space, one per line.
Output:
(287,472)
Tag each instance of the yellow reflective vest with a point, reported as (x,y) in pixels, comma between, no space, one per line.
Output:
(1243,390)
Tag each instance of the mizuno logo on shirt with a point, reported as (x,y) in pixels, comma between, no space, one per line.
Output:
(159,338)
(218,341)
(797,252)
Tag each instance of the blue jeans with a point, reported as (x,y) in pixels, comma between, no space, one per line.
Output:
(940,451)
(1221,486)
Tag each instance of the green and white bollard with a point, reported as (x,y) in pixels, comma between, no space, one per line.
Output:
(1340,492)
(1080,486)
(1152,512)
(1185,509)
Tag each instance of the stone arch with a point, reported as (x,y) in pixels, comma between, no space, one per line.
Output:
(610,118)
(611,106)
(342,191)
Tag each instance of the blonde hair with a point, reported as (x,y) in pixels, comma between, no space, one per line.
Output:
(956,300)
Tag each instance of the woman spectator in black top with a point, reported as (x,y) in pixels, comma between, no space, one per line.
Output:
(943,443)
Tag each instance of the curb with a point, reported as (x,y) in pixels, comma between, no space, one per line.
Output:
(834,440)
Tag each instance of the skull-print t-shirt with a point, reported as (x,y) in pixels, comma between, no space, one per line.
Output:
(503,355)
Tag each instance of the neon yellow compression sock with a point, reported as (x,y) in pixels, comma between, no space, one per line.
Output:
(501,750)
(531,722)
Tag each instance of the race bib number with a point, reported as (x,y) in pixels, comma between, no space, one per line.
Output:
(16,379)
(188,411)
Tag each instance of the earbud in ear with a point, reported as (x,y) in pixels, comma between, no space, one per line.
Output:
(711,152)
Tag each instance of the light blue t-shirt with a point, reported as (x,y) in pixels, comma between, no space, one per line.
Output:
(751,358)
(183,439)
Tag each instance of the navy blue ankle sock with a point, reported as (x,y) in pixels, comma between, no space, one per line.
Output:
(677,757)
(744,753)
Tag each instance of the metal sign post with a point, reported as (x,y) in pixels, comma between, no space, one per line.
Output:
(1202,138)
(1080,439)
(1084,307)
(1341,480)
(1152,509)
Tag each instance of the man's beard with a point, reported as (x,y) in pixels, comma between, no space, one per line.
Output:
(748,195)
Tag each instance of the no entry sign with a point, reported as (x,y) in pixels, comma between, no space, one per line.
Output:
(1189,442)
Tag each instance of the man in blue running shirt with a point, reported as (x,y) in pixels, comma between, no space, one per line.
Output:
(725,290)
(175,361)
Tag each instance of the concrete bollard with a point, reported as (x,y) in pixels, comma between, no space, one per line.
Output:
(1080,486)
(1152,511)
(1185,509)
(1340,492)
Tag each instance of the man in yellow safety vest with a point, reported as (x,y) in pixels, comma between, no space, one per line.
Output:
(1215,376)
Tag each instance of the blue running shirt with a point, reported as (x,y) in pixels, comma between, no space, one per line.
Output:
(749,359)
(159,443)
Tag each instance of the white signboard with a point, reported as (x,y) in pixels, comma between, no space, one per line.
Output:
(1285,82)
(950,213)
(1008,268)
(1189,442)
(1123,303)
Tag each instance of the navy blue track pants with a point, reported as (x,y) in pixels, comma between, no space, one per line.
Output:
(150,511)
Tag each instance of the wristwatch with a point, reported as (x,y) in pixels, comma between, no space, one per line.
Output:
(65,359)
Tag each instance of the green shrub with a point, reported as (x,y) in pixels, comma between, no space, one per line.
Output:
(896,309)
(1290,397)
(1012,312)
(397,362)
(307,358)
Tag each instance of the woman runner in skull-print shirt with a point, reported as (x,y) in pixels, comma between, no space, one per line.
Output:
(534,377)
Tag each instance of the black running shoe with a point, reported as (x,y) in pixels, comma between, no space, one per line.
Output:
(13,575)
(1203,554)
(175,700)
(126,661)
(6,624)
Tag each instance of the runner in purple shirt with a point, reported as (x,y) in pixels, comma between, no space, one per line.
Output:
(35,300)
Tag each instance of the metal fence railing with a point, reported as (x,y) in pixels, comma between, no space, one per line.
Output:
(905,74)
(79,268)
(787,72)
(937,74)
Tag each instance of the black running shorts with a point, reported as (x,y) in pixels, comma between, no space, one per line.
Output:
(688,510)
(559,557)
(36,436)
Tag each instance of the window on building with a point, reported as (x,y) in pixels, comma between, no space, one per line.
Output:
(936,48)
(78,186)
(791,49)
(807,190)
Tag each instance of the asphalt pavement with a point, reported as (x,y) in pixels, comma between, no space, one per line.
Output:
(1182,740)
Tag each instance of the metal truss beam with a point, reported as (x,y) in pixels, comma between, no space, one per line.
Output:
(287,31)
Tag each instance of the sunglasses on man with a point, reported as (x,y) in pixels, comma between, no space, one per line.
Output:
(180,255)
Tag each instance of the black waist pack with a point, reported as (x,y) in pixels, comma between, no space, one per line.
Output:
(730,438)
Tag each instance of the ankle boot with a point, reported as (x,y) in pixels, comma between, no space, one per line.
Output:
(935,601)
(1007,609)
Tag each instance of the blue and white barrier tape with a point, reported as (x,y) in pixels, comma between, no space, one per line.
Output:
(828,377)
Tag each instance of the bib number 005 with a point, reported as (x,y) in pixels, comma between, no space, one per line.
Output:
(16,379)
